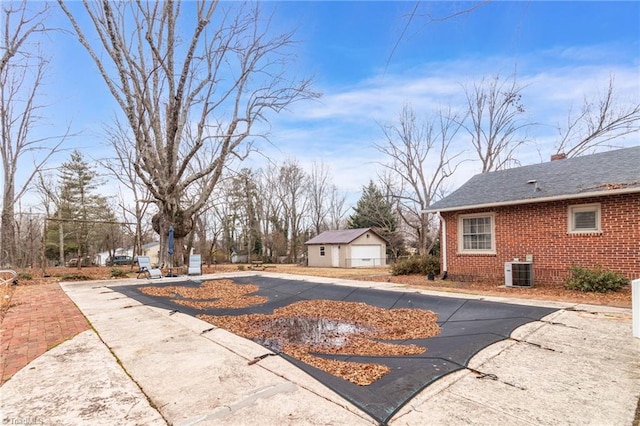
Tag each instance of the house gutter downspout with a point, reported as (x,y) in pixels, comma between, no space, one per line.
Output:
(443,245)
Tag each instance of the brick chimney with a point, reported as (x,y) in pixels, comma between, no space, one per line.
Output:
(560,156)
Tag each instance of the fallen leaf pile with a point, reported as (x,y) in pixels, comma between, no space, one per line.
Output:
(358,373)
(309,328)
(210,294)
(293,330)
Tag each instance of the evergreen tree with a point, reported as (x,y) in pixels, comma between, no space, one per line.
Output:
(80,212)
(375,210)
(245,205)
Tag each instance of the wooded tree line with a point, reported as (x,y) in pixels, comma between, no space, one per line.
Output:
(192,106)
(269,213)
(263,214)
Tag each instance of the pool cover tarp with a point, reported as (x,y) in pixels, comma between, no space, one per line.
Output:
(467,326)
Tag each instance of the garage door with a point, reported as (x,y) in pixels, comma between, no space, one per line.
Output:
(368,256)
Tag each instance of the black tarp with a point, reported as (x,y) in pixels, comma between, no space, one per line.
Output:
(467,326)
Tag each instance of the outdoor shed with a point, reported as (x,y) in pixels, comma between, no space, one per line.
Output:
(546,217)
(348,248)
(152,250)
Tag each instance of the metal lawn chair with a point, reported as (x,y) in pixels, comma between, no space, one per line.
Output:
(195,265)
(8,277)
(144,267)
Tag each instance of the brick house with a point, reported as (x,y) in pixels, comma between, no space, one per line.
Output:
(579,211)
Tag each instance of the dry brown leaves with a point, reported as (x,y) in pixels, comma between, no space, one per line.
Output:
(358,373)
(310,327)
(6,292)
(540,291)
(210,294)
(386,324)
(239,296)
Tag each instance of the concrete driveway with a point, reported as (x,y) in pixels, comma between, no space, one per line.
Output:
(577,365)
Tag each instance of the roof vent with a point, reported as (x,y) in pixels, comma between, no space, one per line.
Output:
(535,184)
(559,156)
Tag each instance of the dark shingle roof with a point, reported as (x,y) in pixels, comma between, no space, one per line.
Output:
(604,173)
(343,236)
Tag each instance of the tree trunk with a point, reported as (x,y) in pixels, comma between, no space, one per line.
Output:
(7,227)
(424,234)
(61,236)
(43,259)
(182,225)
(7,234)
(172,102)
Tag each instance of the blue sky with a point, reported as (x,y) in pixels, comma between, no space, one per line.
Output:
(368,59)
(562,52)
(352,41)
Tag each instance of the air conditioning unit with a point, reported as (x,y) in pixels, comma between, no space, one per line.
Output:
(518,274)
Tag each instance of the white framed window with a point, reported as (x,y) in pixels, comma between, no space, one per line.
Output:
(321,250)
(584,218)
(476,233)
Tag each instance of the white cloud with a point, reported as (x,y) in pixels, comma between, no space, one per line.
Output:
(341,128)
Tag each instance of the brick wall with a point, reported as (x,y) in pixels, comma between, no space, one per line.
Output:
(540,229)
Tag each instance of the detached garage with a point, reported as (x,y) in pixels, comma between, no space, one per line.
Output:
(348,248)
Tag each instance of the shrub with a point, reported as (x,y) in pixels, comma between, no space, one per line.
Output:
(594,280)
(240,267)
(75,277)
(118,273)
(24,276)
(424,265)
(219,257)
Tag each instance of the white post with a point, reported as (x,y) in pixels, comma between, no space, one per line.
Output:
(443,243)
(635,297)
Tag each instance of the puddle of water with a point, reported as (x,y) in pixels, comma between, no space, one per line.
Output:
(314,332)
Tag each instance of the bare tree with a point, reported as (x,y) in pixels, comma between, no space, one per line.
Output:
(428,17)
(187,95)
(210,225)
(29,234)
(601,120)
(226,216)
(494,108)
(121,167)
(22,69)
(421,161)
(292,190)
(274,227)
(19,25)
(319,196)
(208,230)
(243,192)
(337,208)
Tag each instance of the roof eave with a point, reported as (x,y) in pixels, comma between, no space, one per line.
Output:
(365,230)
(537,200)
(326,243)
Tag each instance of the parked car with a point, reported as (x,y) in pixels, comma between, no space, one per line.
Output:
(119,261)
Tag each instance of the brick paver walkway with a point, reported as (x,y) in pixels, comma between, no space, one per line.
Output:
(40,317)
